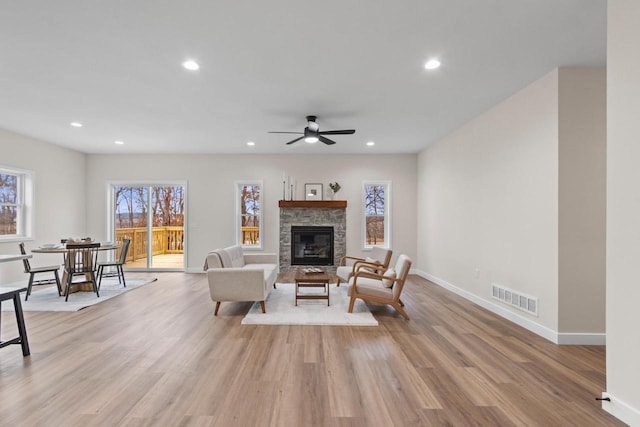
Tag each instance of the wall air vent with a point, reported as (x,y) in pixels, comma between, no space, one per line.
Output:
(515,299)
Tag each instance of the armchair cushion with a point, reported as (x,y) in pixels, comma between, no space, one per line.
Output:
(388,278)
(369,286)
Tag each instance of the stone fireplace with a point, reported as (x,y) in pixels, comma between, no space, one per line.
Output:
(307,216)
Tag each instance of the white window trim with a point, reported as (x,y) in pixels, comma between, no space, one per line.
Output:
(387,214)
(237,185)
(26,191)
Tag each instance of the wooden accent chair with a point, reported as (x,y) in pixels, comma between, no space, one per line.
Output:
(81,260)
(381,288)
(32,271)
(378,262)
(117,264)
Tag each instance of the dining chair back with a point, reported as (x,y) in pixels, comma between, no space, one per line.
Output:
(81,260)
(32,271)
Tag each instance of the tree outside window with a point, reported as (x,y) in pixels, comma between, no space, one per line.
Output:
(250,201)
(9,204)
(376,217)
(16,203)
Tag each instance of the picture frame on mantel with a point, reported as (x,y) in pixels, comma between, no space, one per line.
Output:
(313,191)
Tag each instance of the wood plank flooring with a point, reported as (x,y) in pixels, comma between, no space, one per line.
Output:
(156,356)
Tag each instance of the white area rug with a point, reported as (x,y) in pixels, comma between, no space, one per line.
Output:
(47,299)
(281,309)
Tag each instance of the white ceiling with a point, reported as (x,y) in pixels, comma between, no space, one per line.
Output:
(115,66)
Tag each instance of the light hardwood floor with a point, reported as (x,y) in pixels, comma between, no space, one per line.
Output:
(156,356)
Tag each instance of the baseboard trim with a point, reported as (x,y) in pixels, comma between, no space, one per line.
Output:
(195,270)
(536,328)
(621,410)
(565,338)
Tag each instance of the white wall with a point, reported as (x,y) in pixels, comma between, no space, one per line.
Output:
(210,180)
(516,197)
(623,210)
(582,200)
(488,200)
(59,196)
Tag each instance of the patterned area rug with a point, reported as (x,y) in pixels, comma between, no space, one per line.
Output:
(281,309)
(47,299)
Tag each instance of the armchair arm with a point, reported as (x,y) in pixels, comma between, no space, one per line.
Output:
(344,259)
(367,264)
(367,274)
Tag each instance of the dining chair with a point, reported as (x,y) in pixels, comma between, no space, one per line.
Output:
(81,260)
(117,264)
(32,271)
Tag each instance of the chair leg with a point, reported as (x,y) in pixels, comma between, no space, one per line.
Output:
(274,285)
(400,310)
(215,312)
(94,283)
(352,301)
(338,283)
(118,273)
(400,302)
(29,286)
(100,268)
(264,310)
(66,291)
(55,273)
(122,274)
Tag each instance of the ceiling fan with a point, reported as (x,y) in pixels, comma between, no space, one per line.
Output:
(312,133)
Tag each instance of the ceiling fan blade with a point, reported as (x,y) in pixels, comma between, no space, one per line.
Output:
(326,140)
(338,132)
(299,133)
(295,140)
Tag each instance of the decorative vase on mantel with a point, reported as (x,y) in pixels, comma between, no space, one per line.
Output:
(335,187)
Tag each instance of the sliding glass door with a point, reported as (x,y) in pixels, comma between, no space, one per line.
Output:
(152,217)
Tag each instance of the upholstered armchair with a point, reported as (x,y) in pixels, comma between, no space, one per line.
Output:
(378,262)
(382,288)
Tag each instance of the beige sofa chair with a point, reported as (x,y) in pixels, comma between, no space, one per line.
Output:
(237,276)
(378,262)
(381,288)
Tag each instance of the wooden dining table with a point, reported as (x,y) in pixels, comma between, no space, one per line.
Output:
(62,249)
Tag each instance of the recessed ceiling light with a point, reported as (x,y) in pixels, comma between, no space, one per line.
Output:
(370,144)
(432,64)
(76,124)
(119,142)
(251,143)
(191,65)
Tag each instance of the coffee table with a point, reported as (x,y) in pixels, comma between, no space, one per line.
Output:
(312,280)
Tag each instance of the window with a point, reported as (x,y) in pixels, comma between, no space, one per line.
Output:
(377,199)
(15,204)
(249,203)
(152,216)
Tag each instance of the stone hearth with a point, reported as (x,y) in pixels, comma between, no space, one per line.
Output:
(317,213)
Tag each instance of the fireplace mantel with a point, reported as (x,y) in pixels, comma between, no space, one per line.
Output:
(336,204)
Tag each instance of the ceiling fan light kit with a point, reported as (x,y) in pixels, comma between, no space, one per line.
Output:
(312,133)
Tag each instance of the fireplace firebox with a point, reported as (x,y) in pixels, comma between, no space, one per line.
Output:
(311,245)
